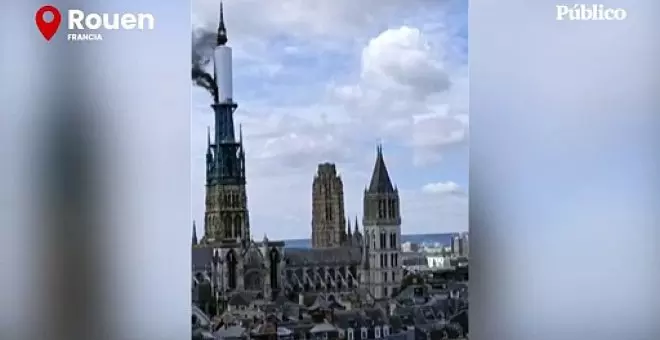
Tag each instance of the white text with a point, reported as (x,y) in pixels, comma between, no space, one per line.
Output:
(589,12)
(84,37)
(78,20)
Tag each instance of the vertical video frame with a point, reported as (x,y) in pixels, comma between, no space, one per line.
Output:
(330,170)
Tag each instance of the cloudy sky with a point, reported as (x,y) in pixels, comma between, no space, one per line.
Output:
(326,80)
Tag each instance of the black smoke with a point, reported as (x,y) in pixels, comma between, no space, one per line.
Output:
(202,52)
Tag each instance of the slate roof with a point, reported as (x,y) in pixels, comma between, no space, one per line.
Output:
(240,299)
(230,332)
(368,319)
(322,256)
(376,315)
(350,319)
(298,326)
(322,328)
(461,319)
(265,328)
(201,257)
(308,299)
(380,179)
(322,303)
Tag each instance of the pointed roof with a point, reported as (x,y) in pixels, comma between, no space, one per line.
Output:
(380,179)
(222,30)
(194,234)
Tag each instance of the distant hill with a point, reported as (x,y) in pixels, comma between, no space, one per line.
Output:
(444,239)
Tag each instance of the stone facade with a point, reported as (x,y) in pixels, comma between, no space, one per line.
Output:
(226,216)
(382,227)
(328,219)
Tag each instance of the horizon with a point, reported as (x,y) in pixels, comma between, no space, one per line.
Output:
(403,235)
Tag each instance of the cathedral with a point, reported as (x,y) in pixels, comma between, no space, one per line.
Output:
(343,259)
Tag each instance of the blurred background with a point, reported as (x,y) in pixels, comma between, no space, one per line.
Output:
(95,177)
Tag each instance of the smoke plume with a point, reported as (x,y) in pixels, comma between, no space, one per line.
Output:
(202,50)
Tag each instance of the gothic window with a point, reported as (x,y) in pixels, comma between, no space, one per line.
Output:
(227,226)
(389,208)
(274,268)
(396,259)
(377,329)
(386,330)
(327,212)
(231,269)
(383,240)
(392,260)
(393,276)
(363,332)
(385,259)
(373,237)
(384,276)
(237,226)
(393,240)
(350,335)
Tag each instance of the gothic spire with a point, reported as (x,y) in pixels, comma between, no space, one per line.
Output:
(194,234)
(208,136)
(222,30)
(380,179)
(348,228)
(357,231)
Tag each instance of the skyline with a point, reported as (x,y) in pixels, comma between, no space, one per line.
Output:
(328,86)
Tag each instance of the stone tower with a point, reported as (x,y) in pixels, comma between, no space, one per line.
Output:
(382,229)
(328,220)
(226,218)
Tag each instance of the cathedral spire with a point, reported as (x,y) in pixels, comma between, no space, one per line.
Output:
(348,228)
(357,231)
(222,30)
(380,179)
(194,234)
(208,136)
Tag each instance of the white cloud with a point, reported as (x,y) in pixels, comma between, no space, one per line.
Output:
(442,188)
(401,60)
(406,92)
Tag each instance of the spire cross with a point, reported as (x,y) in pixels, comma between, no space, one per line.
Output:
(222,31)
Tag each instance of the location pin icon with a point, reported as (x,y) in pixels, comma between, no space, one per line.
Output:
(48,28)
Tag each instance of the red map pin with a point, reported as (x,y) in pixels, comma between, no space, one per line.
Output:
(48,28)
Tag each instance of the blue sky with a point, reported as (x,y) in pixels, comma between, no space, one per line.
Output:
(327,80)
